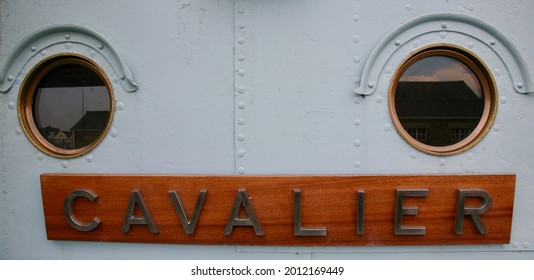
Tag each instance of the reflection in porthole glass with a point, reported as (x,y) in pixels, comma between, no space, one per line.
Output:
(439,101)
(67,106)
(71,106)
(442,100)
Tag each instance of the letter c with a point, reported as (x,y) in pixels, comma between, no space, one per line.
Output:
(69,214)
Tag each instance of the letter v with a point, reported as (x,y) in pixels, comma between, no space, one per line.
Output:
(188,225)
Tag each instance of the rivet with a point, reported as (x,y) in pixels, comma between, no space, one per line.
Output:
(497,128)
(388,127)
(89,158)
(470,44)
(471,7)
(11,105)
(413,155)
(526,245)
(67,36)
(10,78)
(241,57)
(241,72)
(357,79)
(122,77)
(356,39)
(379,99)
(503,99)
(241,170)
(241,121)
(241,137)
(18,131)
(492,42)
(357,59)
(40,156)
(120,105)
(497,72)
(43,53)
(241,89)
(241,152)
(370,85)
(388,70)
(34,48)
(519,85)
(241,10)
(358,99)
(356,18)
(242,25)
(408,7)
(357,143)
(357,122)
(443,34)
(442,162)
(241,105)
(357,164)
(64,164)
(114,132)
(92,53)
(101,47)
(444,25)
(515,244)
(241,40)
(397,43)
(470,156)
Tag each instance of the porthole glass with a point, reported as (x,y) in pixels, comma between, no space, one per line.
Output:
(442,100)
(66,106)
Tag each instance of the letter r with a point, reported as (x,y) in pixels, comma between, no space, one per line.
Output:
(474,212)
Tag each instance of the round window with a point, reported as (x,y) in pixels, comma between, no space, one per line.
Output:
(66,106)
(443,100)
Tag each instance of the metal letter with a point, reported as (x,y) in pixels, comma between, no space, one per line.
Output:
(242,198)
(361,212)
(297,220)
(474,212)
(400,210)
(188,225)
(130,219)
(69,214)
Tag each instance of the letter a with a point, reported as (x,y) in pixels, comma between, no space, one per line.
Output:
(234,220)
(136,198)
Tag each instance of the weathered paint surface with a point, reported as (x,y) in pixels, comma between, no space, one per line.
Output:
(260,87)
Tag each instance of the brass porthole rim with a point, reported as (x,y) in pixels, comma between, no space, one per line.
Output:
(27,93)
(489,89)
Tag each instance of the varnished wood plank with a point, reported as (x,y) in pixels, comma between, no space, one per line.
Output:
(327,202)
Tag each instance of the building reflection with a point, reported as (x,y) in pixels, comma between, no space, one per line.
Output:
(86,130)
(438,113)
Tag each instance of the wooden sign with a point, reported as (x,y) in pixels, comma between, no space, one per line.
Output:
(280,210)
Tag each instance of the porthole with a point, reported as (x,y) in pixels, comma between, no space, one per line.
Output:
(66,105)
(442,100)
